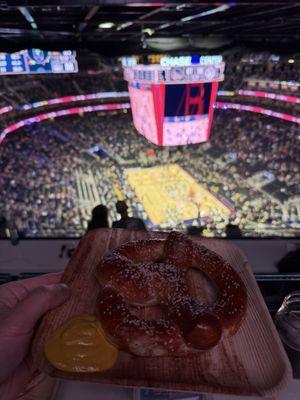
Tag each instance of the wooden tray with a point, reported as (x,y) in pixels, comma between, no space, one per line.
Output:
(253,362)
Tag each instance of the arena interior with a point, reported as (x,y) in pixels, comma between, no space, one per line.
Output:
(54,170)
(189,112)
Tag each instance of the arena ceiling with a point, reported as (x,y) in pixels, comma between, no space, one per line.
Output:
(123,27)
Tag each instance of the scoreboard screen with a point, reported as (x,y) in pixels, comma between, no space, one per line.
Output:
(173,115)
(172,102)
(37,61)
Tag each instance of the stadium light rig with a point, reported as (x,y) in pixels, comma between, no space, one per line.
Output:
(29,18)
(218,9)
(124,25)
(149,31)
(163,26)
(106,25)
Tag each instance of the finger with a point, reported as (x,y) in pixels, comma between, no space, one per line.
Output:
(16,383)
(13,292)
(27,312)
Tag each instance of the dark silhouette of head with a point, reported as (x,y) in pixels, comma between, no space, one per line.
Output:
(3,226)
(195,230)
(99,218)
(122,208)
(290,263)
(3,221)
(233,231)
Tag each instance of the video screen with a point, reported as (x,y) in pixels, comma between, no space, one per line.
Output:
(186,100)
(143,113)
(37,61)
(173,115)
(186,119)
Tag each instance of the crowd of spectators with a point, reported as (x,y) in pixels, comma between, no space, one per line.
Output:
(41,165)
(24,89)
(241,66)
(38,181)
(259,142)
(284,107)
(44,167)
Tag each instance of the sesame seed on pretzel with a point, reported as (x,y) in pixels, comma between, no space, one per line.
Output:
(153,272)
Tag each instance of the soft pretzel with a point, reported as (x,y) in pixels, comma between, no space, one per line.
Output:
(153,272)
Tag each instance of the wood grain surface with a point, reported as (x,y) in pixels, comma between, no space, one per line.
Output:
(253,362)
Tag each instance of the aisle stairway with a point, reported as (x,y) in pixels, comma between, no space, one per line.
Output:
(87,192)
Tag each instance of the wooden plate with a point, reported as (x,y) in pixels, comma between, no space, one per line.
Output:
(253,362)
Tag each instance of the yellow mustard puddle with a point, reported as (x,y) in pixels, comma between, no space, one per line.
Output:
(79,345)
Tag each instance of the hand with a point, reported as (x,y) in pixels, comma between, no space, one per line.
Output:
(22,303)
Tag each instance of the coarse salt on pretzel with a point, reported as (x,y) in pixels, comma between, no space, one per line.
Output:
(153,272)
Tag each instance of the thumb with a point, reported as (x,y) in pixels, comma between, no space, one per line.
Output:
(27,312)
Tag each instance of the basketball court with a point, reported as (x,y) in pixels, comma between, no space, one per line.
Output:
(169,194)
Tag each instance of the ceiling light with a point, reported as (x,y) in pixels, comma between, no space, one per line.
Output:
(28,17)
(26,14)
(149,31)
(106,25)
(124,25)
(291,61)
(145,4)
(221,8)
(163,26)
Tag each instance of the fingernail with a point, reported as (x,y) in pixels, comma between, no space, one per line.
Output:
(61,289)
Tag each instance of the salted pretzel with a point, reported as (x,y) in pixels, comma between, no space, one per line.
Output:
(153,272)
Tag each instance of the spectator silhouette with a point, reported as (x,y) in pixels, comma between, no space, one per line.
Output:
(127,222)
(3,227)
(99,218)
(233,231)
(290,263)
(195,230)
